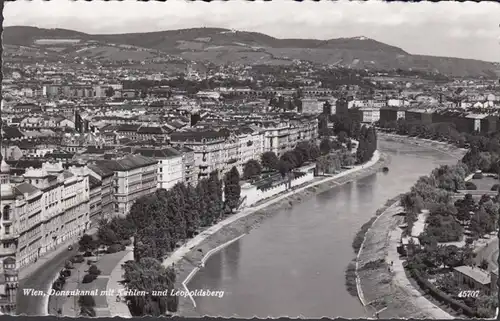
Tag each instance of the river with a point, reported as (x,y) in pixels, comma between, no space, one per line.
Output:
(294,263)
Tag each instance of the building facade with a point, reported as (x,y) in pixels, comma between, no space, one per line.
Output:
(134,176)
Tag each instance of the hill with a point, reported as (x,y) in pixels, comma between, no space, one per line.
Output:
(218,45)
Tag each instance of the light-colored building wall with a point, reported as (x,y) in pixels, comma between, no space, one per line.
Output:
(170,172)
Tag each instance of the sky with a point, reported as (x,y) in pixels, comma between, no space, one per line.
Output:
(448,28)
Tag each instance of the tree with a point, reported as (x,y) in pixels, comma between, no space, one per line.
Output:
(325,146)
(106,235)
(342,137)
(110,92)
(87,243)
(284,167)
(303,151)
(314,151)
(269,160)
(251,169)
(232,189)
(452,256)
(150,276)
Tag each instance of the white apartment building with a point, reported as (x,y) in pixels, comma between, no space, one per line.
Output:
(250,145)
(284,136)
(61,212)
(276,138)
(170,165)
(40,210)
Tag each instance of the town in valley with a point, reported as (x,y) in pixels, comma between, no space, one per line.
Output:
(119,151)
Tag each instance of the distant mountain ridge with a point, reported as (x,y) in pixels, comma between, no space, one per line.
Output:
(219,45)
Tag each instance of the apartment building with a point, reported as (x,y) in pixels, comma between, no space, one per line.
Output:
(8,240)
(106,178)
(284,136)
(53,208)
(95,194)
(209,149)
(134,176)
(190,172)
(41,210)
(250,145)
(170,165)
(275,137)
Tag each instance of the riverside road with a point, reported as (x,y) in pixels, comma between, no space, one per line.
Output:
(33,305)
(294,263)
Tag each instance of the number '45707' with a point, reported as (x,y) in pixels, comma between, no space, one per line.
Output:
(468,294)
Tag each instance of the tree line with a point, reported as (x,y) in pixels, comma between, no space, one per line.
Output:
(159,223)
(450,219)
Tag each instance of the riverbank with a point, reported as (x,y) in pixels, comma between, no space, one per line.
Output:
(189,256)
(381,280)
(442,147)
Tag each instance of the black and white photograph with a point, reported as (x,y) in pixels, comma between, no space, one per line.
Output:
(250,159)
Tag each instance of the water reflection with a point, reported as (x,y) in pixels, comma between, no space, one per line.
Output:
(232,259)
(365,187)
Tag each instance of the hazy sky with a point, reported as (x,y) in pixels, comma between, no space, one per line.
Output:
(466,30)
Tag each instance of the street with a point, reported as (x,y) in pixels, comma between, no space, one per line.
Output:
(41,280)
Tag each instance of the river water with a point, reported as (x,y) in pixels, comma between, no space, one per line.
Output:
(294,263)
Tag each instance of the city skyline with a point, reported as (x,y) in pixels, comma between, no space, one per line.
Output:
(451,29)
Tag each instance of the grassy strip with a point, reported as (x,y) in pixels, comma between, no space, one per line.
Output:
(350,273)
(360,236)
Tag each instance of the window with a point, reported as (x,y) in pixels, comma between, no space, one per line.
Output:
(6,213)
(7,229)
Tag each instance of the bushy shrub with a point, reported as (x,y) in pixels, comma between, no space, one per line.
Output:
(68,265)
(88,254)
(89,278)
(94,270)
(495,187)
(470,186)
